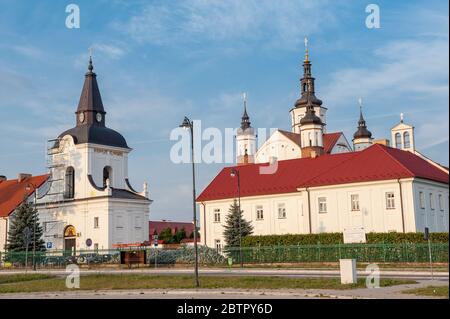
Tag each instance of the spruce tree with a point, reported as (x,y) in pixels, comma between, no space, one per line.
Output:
(24,216)
(233,231)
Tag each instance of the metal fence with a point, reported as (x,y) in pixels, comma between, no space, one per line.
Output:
(61,258)
(382,253)
(402,252)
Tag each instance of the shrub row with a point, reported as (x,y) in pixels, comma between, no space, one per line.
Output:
(338,238)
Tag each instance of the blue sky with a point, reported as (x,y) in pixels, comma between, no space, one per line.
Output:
(157,61)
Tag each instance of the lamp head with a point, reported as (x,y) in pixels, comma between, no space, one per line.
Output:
(186,123)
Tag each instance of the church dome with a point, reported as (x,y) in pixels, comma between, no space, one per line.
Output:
(96,134)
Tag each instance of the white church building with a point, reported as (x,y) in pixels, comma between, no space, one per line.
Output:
(307,180)
(88,201)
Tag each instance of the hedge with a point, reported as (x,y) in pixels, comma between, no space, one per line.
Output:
(338,238)
(398,252)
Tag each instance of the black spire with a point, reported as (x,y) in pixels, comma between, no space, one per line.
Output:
(245,123)
(307,88)
(90,103)
(90,126)
(362,131)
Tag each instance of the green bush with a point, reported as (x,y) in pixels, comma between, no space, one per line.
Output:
(338,238)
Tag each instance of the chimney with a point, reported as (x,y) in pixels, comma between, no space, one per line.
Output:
(23,176)
(3,178)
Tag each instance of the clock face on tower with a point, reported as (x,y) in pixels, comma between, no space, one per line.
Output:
(99,117)
(81,117)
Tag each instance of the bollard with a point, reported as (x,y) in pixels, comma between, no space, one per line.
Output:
(348,271)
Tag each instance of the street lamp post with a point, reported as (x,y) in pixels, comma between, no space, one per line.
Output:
(34,222)
(189,125)
(235,172)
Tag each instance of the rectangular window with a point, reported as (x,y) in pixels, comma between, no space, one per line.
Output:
(390,201)
(96,224)
(422,200)
(281,211)
(119,222)
(355,202)
(96,248)
(137,222)
(217,215)
(432,204)
(218,246)
(322,205)
(259,213)
(441,202)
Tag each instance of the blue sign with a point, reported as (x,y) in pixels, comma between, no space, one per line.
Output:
(49,245)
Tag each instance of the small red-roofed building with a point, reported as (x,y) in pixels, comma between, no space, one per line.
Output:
(13,192)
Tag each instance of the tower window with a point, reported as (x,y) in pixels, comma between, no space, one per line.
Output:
(69,191)
(398,140)
(406,140)
(107,173)
(305,87)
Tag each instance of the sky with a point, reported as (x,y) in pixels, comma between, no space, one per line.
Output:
(157,61)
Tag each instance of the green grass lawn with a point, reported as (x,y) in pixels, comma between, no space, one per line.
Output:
(126,281)
(436,291)
(22,277)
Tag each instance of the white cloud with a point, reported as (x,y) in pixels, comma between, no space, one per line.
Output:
(407,67)
(28,51)
(276,23)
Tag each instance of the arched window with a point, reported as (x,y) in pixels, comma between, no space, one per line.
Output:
(406,140)
(310,139)
(305,87)
(69,191)
(107,174)
(398,140)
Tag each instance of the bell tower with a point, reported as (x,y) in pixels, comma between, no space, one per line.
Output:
(245,139)
(308,97)
(403,136)
(311,134)
(362,137)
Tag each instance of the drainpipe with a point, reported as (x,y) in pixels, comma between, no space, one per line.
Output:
(204,222)
(401,204)
(309,210)
(6,233)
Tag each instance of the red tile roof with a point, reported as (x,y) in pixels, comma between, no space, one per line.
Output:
(12,192)
(375,163)
(329,139)
(174,226)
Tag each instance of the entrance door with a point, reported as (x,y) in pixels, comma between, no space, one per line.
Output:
(69,246)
